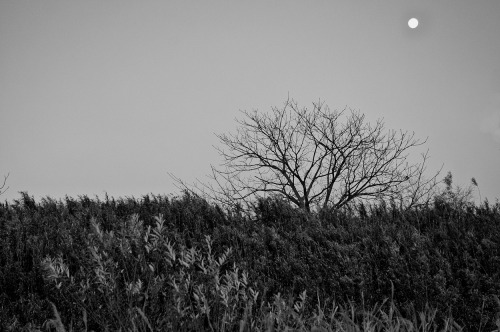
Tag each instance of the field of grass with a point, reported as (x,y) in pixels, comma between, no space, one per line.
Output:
(182,264)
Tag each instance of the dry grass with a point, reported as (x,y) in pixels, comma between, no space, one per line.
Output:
(174,288)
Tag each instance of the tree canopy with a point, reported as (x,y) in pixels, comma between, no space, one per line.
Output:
(318,158)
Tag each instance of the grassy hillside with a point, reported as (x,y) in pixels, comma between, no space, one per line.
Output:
(182,264)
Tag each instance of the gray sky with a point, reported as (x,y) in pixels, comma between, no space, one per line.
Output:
(109,96)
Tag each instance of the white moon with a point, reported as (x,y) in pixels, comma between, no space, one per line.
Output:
(413,23)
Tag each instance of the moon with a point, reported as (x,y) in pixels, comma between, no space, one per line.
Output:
(413,23)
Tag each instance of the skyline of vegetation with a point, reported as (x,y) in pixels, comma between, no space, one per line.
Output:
(109,261)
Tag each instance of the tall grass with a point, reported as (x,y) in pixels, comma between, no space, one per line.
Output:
(184,265)
(171,287)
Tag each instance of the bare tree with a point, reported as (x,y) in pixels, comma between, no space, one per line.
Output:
(3,185)
(419,190)
(316,158)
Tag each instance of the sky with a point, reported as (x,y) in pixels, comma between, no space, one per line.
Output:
(110,96)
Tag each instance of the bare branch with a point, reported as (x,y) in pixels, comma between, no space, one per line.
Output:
(317,158)
(2,190)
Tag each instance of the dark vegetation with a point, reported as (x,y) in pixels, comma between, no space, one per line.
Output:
(128,264)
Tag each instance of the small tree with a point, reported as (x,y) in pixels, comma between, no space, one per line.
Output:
(318,158)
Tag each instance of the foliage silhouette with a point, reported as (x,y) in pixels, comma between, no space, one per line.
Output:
(317,159)
(107,259)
